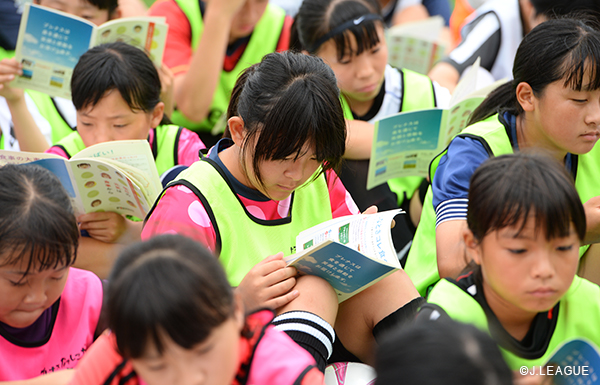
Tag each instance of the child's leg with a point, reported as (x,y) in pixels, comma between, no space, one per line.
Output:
(384,305)
(308,319)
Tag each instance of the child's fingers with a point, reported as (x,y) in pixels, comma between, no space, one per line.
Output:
(98,217)
(10,66)
(280,288)
(274,257)
(5,78)
(279,275)
(371,210)
(282,300)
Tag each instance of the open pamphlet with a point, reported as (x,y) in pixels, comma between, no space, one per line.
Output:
(574,362)
(417,45)
(405,143)
(50,43)
(350,252)
(117,176)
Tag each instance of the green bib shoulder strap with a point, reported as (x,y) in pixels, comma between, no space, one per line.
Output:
(165,147)
(420,93)
(263,40)
(310,205)
(71,144)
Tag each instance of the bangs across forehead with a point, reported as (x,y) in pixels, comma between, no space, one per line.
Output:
(32,258)
(580,69)
(299,122)
(555,222)
(365,35)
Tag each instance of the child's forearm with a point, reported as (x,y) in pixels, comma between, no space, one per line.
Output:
(359,139)
(26,129)
(56,378)
(132,233)
(96,256)
(194,90)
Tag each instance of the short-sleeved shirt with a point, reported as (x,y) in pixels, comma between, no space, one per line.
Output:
(178,49)
(450,187)
(493,33)
(180,211)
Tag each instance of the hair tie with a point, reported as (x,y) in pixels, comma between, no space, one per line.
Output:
(342,27)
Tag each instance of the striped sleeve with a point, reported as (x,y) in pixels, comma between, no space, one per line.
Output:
(450,187)
(480,38)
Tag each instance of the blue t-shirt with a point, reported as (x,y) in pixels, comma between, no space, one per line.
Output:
(450,187)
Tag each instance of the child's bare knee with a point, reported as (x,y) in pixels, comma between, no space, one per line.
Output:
(316,296)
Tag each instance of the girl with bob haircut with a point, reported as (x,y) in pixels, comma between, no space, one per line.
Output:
(525,224)
(447,352)
(174,318)
(553,104)
(49,312)
(116,92)
(271,177)
(349,35)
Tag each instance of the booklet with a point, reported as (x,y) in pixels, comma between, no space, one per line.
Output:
(574,362)
(416,46)
(117,176)
(350,252)
(50,43)
(405,143)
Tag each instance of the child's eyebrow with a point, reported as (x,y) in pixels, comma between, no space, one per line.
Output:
(18,272)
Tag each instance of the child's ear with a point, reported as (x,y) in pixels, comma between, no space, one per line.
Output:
(525,96)
(472,246)
(157,114)
(236,129)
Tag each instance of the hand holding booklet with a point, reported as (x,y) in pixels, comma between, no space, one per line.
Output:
(50,43)
(405,143)
(350,252)
(117,176)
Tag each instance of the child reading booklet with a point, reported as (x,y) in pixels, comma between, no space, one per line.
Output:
(350,252)
(50,43)
(405,143)
(114,176)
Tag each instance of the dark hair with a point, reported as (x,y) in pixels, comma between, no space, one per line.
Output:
(169,285)
(286,101)
(440,352)
(316,19)
(116,66)
(554,50)
(559,8)
(109,5)
(505,190)
(37,223)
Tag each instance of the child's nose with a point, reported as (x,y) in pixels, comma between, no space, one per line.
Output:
(103,135)
(190,376)
(295,171)
(364,66)
(36,294)
(543,267)
(593,117)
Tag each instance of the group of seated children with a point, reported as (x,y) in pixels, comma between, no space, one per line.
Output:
(200,291)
